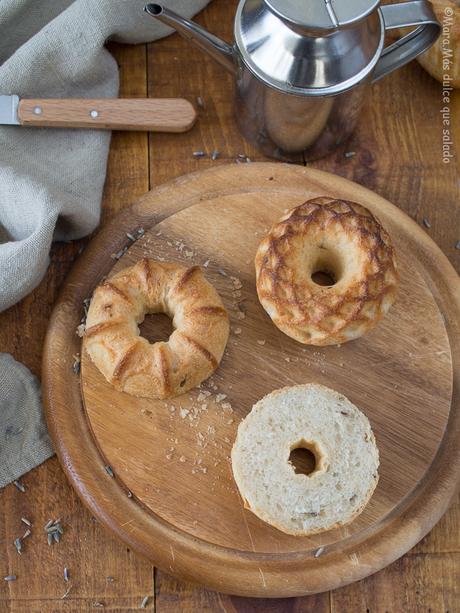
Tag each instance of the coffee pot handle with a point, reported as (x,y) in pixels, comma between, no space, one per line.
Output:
(419,14)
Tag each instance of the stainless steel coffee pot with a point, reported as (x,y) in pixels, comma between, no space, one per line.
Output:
(303,67)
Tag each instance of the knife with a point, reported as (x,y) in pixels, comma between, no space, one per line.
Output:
(150,114)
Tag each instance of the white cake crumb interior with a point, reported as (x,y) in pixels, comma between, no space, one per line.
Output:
(340,436)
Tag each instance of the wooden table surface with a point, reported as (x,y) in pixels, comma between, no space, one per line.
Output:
(398,154)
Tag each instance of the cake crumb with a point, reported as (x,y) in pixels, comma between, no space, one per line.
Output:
(80,331)
(261,342)
(236,282)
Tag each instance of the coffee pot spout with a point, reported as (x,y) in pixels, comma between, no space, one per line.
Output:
(216,48)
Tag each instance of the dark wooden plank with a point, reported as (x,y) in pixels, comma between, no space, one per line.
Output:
(86,549)
(128,166)
(416,582)
(445,536)
(89,552)
(176,67)
(173,596)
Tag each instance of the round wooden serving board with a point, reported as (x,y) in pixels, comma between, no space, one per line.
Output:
(185,513)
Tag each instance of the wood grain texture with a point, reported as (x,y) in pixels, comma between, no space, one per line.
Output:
(174,65)
(173,595)
(433,586)
(400,375)
(397,146)
(153,115)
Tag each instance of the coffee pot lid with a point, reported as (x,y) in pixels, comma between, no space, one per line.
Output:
(309,47)
(322,14)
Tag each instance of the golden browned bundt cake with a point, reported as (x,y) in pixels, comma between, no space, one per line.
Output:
(343,240)
(163,369)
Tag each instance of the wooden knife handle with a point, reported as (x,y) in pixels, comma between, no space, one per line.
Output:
(150,114)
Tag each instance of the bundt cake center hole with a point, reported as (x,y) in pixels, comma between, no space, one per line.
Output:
(326,266)
(324,278)
(156,327)
(304,458)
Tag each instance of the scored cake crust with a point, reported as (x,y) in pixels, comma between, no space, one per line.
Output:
(342,239)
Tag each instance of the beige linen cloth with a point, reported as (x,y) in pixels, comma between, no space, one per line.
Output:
(51,180)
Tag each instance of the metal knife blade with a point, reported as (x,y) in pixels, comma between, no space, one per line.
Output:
(9,110)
